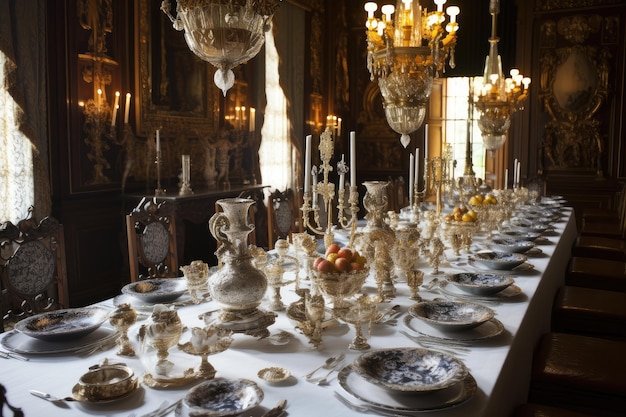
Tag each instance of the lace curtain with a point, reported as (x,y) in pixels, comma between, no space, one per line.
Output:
(279,154)
(24,171)
(16,164)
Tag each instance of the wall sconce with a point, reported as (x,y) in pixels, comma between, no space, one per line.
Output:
(333,123)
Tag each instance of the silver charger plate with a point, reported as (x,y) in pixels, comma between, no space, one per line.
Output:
(17,342)
(61,325)
(487,330)
(156,290)
(387,400)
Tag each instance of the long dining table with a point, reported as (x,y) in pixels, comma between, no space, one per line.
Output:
(500,365)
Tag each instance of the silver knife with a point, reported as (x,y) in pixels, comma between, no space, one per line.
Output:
(277,410)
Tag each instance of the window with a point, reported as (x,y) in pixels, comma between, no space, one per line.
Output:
(456,93)
(275,152)
(16,165)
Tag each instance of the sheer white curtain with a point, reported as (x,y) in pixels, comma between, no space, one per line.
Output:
(16,164)
(275,153)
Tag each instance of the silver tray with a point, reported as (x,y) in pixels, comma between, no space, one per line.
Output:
(487,330)
(387,400)
(17,342)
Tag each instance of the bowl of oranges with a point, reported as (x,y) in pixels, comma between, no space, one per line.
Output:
(341,272)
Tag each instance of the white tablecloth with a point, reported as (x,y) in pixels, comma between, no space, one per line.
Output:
(501,366)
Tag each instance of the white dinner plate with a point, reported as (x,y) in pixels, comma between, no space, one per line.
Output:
(487,330)
(387,400)
(17,342)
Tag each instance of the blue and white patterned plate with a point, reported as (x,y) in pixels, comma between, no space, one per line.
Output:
(390,402)
(480,283)
(157,290)
(520,235)
(451,315)
(500,260)
(61,325)
(410,369)
(222,397)
(512,245)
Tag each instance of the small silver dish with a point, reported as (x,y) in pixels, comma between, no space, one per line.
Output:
(274,374)
(480,283)
(451,315)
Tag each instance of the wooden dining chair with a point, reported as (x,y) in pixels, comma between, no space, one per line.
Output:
(151,235)
(33,272)
(282,216)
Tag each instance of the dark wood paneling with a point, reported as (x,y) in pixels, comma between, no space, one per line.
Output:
(94,240)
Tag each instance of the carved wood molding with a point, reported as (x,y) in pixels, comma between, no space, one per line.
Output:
(575,68)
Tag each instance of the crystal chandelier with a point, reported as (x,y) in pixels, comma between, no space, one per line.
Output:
(495,97)
(225,33)
(405,56)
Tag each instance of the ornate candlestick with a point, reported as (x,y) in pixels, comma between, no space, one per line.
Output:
(326,189)
(157,161)
(185,180)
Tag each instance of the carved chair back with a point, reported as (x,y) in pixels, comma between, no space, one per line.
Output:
(282,216)
(151,234)
(33,274)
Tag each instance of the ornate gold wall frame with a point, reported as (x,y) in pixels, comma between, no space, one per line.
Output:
(575,65)
(174,87)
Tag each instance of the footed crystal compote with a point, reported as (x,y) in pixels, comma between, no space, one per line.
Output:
(363,310)
(161,332)
(204,342)
(341,285)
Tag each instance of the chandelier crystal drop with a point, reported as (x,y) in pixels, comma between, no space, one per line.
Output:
(405,55)
(225,33)
(495,97)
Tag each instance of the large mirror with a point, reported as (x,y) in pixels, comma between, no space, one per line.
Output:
(175,87)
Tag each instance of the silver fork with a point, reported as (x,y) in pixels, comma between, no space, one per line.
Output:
(324,379)
(363,408)
(328,364)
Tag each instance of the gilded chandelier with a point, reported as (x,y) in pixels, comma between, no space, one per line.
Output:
(406,55)
(225,33)
(495,97)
